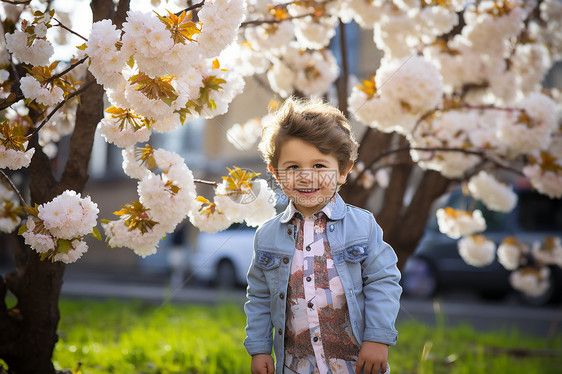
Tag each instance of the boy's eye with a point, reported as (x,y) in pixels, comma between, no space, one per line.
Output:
(292,167)
(319,166)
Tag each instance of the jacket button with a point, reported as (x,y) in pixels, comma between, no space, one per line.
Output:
(315,339)
(266,261)
(286,260)
(331,228)
(308,279)
(280,332)
(308,248)
(310,305)
(281,295)
(290,232)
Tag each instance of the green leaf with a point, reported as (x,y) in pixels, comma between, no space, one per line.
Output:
(22,229)
(96,233)
(105,220)
(63,245)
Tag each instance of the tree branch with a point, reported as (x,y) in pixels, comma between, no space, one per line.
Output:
(68,69)
(208,183)
(15,2)
(342,86)
(13,186)
(60,24)
(83,88)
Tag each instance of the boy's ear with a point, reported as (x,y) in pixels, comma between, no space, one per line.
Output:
(343,175)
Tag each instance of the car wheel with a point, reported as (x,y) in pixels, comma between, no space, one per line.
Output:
(226,274)
(419,279)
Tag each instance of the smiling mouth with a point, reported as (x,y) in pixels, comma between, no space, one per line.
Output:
(310,190)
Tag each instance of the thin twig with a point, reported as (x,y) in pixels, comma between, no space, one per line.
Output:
(14,2)
(274,21)
(68,69)
(190,8)
(70,30)
(13,187)
(83,88)
(209,183)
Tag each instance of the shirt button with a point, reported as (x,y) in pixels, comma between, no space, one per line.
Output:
(308,279)
(315,339)
(310,305)
(308,248)
(331,228)
(290,232)
(282,295)
(286,260)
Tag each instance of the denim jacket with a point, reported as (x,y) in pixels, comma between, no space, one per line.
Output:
(365,264)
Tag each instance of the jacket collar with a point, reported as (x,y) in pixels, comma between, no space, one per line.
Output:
(336,212)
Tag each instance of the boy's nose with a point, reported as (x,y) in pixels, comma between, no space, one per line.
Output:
(305,175)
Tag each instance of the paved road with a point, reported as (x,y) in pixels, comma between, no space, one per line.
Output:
(485,316)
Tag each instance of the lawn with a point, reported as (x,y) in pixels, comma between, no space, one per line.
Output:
(135,337)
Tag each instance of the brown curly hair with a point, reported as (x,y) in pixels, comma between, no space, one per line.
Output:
(314,121)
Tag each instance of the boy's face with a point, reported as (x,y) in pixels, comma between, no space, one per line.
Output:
(308,177)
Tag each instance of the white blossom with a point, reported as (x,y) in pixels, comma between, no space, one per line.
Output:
(545,174)
(208,221)
(75,251)
(37,54)
(69,216)
(117,234)
(511,253)
(244,136)
(270,37)
(262,208)
(456,223)
(477,250)
(38,239)
(549,252)
(106,62)
(13,159)
(493,193)
(528,134)
(531,281)
(48,96)
(131,166)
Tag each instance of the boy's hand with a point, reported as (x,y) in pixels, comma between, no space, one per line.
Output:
(372,358)
(262,364)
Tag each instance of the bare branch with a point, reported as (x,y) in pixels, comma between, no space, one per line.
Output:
(274,21)
(83,88)
(208,183)
(60,24)
(68,69)
(15,2)
(13,186)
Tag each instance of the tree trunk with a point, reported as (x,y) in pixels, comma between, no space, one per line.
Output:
(29,330)
(403,225)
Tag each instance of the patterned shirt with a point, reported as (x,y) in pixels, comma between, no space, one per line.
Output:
(318,335)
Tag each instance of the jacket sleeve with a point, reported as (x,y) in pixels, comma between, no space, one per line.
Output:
(381,289)
(259,328)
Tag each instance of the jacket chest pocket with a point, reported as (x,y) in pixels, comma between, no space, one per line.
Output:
(353,256)
(269,262)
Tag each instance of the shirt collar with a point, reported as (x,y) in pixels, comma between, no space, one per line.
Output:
(334,210)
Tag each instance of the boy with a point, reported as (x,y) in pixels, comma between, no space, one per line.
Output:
(321,276)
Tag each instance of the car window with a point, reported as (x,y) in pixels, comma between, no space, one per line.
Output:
(539,213)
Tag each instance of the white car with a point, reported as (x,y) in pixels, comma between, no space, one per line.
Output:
(223,258)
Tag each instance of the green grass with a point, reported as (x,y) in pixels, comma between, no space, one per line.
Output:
(133,337)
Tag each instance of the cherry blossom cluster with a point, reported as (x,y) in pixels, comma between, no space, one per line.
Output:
(57,228)
(168,197)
